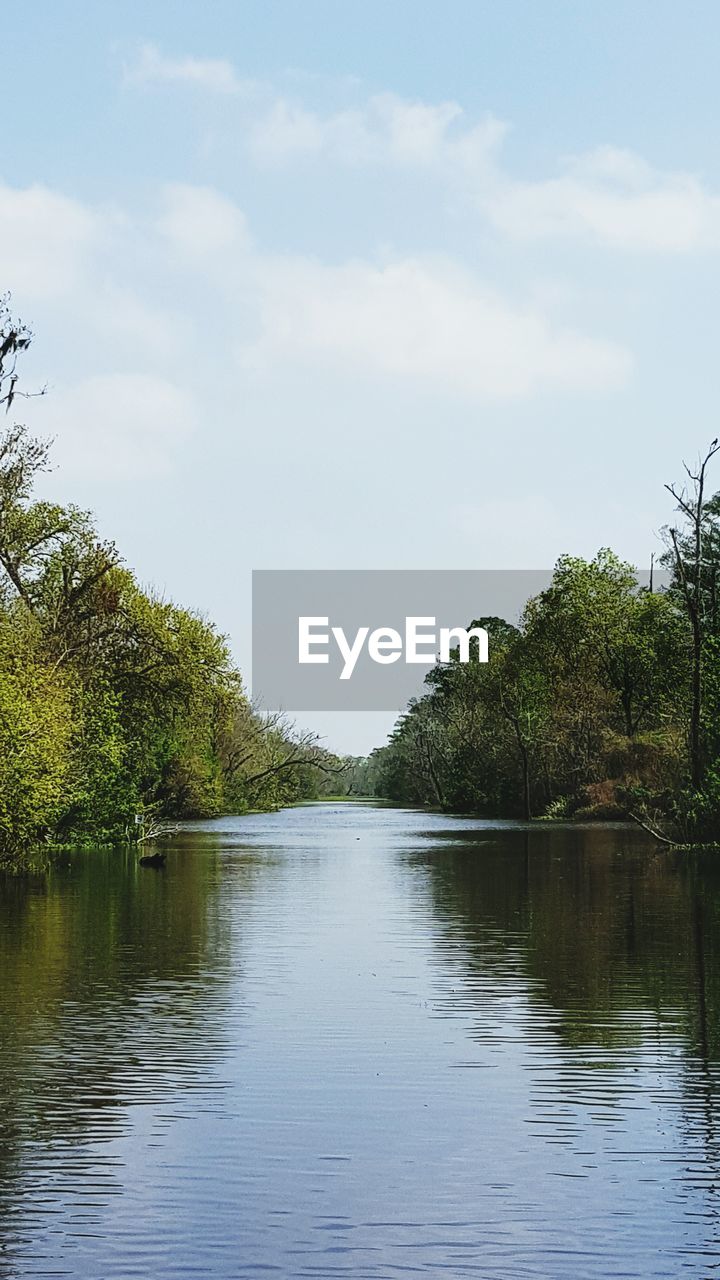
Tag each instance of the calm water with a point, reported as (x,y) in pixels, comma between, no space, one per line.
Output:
(346,1040)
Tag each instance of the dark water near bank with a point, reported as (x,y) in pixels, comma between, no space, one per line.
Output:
(353,1041)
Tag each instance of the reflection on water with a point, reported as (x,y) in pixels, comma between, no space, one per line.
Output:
(348,1040)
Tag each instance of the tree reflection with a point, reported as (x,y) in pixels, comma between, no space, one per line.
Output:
(613,950)
(597,921)
(114,983)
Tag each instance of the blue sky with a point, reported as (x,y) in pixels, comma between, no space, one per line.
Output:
(364,285)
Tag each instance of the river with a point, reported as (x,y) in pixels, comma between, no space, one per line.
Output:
(356,1040)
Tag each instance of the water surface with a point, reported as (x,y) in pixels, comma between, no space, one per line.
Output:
(350,1040)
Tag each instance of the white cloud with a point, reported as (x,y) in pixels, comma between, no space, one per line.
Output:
(386,130)
(214,75)
(610,196)
(607,195)
(425,324)
(61,257)
(199,221)
(45,240)
(128,302)
(119,424)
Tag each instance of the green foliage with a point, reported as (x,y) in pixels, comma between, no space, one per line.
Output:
(37,727)
(113,701)
(582,703)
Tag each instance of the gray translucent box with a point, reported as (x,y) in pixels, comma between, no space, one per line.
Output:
(351,599)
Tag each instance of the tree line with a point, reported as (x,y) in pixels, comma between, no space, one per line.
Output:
(604,700)
(118,709)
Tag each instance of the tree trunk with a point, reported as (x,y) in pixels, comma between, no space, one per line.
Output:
(526,781)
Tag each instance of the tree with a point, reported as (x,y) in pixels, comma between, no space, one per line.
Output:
(687,560)
(37,726)
(114,703)
(575,705)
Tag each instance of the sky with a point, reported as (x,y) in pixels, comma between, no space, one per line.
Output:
(363,285)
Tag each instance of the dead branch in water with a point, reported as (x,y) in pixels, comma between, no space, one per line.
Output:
(149,826)
(156,831)
(657,835)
